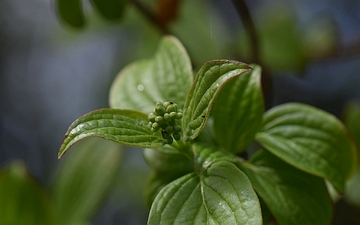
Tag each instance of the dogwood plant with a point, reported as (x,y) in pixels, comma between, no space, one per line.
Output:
(198,131)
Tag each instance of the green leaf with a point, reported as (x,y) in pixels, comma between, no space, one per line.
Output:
(22,199)
(311,140)
(211,77)
(238,111)
(71,12)
(110,9)
(123,126)
(157,181)
(84,179)
(221,195)
(205,155)
(166,77)
(293,196)
(167,159)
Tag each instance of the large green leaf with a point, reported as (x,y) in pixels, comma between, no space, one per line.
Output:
(123,126)
(166,77)
(211,77)
(293,196)
(22,199)
(221,195)
(84,179)
(311,140)
(71,12)
(110,9)
(238,111)
(157,181)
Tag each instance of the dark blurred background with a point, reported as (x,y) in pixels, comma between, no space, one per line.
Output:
(51,74)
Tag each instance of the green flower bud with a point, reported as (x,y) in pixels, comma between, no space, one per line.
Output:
(151,117)
(179,115)
(158,103)
(159,119)
(173,115)
(166,104)
(177,128)
(171,108)
(164,117)
(172,122)
(169,129)
(155,126)
(160,110)
(167,116)
(169,140)
(177,136)
(164,134)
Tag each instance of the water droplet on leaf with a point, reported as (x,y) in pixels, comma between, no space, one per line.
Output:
(140,87)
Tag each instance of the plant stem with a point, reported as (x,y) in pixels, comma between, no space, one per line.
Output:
(150,16)
(184,148)
(250,29)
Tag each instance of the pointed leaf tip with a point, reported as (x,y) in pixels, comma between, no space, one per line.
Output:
(126,127)
(208,82)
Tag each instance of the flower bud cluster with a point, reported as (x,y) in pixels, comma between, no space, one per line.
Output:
(164,117)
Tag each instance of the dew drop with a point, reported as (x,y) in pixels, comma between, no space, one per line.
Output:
(140,87)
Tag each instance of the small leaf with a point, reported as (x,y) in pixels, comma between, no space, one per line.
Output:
(311,140)
(71,12)
(211,77)
(110,9)
(123,126)
(293,196)
(238,111)
(84,179)
(22,199)
(166,77)
(221,195)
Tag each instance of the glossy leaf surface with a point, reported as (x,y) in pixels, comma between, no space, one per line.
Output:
(84,179)
(71,12)
(123,126)
(293,196)
(311,140)
(221,195)
(22,199)
(238,111)
(211,77)
(166,77)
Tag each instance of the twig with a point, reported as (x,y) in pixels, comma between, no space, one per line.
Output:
(254,57)
(250,29)
(150,16)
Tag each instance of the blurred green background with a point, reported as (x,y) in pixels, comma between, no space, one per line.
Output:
(52,73)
